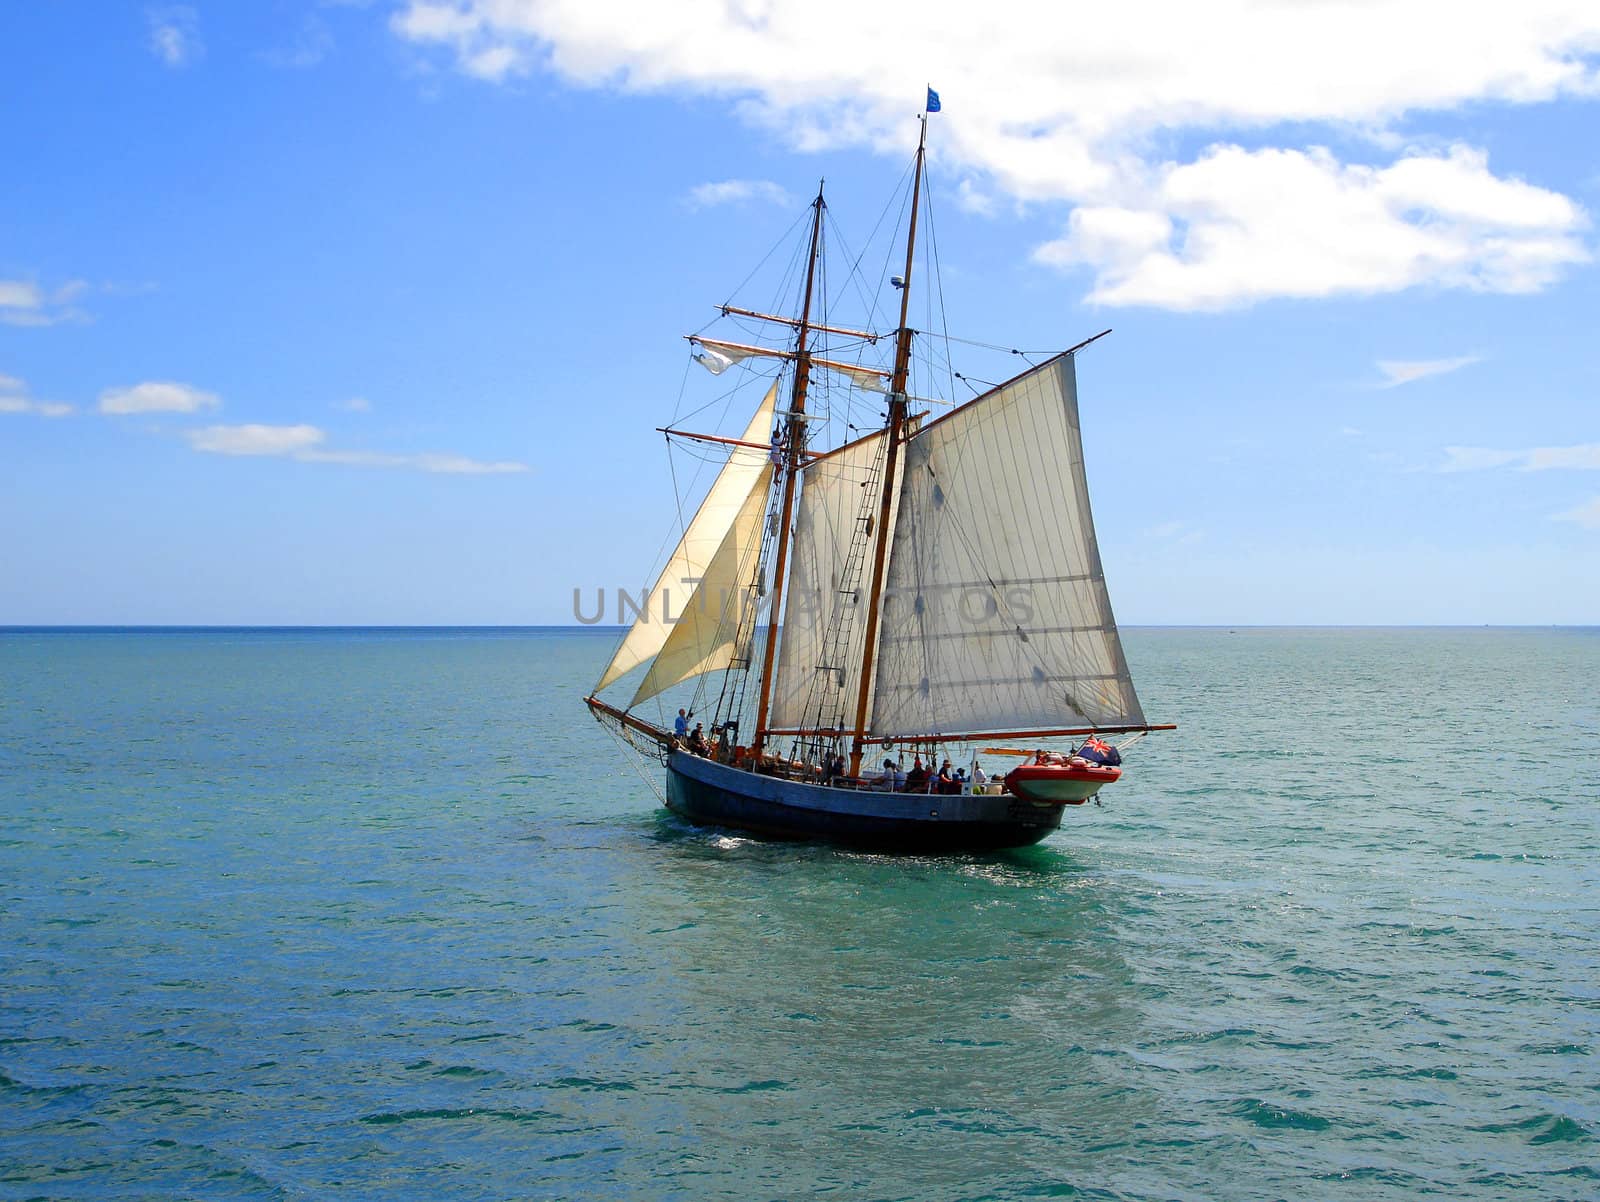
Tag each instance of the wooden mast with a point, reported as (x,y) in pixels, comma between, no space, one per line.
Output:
(796,435)
(897,419)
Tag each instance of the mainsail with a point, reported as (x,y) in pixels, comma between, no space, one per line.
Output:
(705,534)
(968,643)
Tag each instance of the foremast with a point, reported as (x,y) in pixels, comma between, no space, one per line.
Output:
(793,458)
(897,420)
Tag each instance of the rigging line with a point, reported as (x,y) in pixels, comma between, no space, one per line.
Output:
(869,303)
(901,191)
(629,745)
(746,374)
(783,238)
(998,346)
(944,312)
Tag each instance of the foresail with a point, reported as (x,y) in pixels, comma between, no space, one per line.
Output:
(703,536)
(706,635)
(824,619)
(995,614)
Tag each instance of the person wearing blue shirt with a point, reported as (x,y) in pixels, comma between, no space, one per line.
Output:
(680,725)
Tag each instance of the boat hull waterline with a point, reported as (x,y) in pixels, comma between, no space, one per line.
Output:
(712,794)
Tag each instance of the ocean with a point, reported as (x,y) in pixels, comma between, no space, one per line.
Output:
(383,914)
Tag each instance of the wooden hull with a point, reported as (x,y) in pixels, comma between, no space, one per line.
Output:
(714,794)
(1059,783)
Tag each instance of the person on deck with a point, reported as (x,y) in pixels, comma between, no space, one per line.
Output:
(832,768)
(680,724)
(946,781)
(980,778)
(917,778)
(697,740)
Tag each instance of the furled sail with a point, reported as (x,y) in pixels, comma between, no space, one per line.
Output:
(824,619)
(700,542)
(967,642)
(716,356)
(706,635)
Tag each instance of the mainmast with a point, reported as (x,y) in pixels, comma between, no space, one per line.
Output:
(897,419)
(793,458)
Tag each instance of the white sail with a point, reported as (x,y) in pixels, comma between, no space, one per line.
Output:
(716,356)
(819,660)
(706,635)
(700,541)
(996,615)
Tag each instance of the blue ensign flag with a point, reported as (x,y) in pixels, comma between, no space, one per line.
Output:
(933,101)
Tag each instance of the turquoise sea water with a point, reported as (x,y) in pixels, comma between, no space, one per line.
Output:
(383,914)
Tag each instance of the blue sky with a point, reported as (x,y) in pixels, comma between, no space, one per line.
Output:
(366,312)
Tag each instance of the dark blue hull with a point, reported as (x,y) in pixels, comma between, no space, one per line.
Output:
(716,794)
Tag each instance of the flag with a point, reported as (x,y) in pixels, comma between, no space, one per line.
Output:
(933,101)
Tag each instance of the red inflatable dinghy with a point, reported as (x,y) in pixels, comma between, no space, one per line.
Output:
(1060,779)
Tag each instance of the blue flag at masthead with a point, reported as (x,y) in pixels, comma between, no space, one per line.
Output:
(933,101)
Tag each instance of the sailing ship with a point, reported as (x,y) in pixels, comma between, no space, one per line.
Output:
(915,592)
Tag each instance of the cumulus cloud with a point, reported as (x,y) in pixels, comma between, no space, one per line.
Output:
(737,191)
(1043,107)
(1583,457)
(14,398)
(1404,371)
(1237,226)
(157,396)
(174,34)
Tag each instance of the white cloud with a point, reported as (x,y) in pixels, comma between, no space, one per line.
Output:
(174,32)
(14,399)
(1237,226)
(355,404)
(1405,371)
(460,465)
(304,443)
(157,396)
(252,439)
(24,303)
(1586,515)
(1583,457)
(737,191)
(19,294)
(1041,106)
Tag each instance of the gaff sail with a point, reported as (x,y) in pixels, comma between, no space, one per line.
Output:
(824,618)
(969,642)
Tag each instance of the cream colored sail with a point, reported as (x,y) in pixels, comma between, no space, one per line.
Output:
(996,615)
(700,542)
(819,660)
(707,634)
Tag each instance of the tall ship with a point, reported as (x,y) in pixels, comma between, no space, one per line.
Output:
(880,593)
